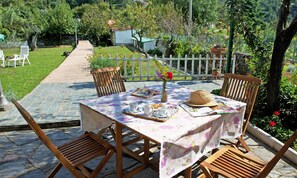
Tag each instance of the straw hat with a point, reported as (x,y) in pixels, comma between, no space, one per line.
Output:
(200,98)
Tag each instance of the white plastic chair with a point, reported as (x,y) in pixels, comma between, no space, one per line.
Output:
(2,58)
(24,55)
(22,58)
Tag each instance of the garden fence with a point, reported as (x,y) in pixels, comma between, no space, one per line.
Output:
(186,68)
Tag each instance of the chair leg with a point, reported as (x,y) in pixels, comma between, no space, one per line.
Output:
(243,143)
(206,173)
(102,164)
(28,61)
(188,172)
(55,170)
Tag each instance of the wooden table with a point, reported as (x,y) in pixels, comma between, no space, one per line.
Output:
(183,139)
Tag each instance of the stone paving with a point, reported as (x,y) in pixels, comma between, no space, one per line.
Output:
(54,103)
(23,155)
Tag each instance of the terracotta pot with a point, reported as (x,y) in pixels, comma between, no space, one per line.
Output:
(218,51)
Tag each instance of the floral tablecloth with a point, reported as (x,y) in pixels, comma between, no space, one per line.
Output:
(183,139)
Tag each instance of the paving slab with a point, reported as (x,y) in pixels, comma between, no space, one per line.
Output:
(75,67)
(39,161)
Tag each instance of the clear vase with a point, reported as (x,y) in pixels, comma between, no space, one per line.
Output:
(164,92)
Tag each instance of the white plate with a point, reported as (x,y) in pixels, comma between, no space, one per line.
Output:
(157,115)
(138,111)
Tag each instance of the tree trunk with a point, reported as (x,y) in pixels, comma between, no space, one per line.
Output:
(33,41)
(275,74)
(284,36)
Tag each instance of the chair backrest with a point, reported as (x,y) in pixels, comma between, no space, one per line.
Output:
(242,88)
(35,127)
(24,52)
(1,55)
(108,81)
(270,165)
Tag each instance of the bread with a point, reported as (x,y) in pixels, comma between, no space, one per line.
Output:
(157,105)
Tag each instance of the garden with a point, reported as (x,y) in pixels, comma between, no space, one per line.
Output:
(18,82)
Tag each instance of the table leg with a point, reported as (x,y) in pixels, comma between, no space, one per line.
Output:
(146,151)
(119,155)
(188,172)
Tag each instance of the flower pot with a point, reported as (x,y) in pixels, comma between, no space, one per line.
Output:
(215,73)
(218,51)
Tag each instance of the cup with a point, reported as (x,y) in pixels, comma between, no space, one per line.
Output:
(133,106)
(148,110)
(162,111)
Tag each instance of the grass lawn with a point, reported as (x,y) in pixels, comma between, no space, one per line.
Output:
(112,51)
(18,82)
(115,50)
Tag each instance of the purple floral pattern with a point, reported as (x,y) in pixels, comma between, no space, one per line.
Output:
(183,139)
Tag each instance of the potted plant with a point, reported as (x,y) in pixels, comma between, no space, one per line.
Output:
(215,72)
(217,50)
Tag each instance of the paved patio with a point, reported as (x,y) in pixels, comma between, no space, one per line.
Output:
(54,104)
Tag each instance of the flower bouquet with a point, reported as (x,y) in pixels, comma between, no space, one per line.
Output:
(165,76)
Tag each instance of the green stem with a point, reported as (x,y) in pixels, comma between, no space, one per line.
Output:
(164,85)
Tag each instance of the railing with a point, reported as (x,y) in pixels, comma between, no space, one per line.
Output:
(141,69)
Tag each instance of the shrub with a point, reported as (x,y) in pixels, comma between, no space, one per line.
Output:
(155,51)
(288,99)
(273,126)
(100,63)
(216,91)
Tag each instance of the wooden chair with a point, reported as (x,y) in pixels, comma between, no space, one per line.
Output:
(230,162)
(108,81)
(73,154)
(242,88)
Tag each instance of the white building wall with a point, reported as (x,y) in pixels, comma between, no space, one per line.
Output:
(149,45)
(123,37)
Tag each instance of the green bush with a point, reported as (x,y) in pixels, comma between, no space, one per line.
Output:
(155,51)
(100,63)
(273,126)
(216,91)
(288,100)
(285,122)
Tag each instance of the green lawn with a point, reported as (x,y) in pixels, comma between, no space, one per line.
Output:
(112,51)
(18,82)
(115,50)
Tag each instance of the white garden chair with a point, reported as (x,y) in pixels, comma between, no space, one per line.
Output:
(2,59)
(22,58)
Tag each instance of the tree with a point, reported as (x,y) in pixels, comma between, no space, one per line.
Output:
(204,11)
(249,22)
(141,20)
(60,20)
(94,21)
(13,23)
(283,37)
(169,21)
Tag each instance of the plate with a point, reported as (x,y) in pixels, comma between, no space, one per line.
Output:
(138,111)
(158,115)
(144,92)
